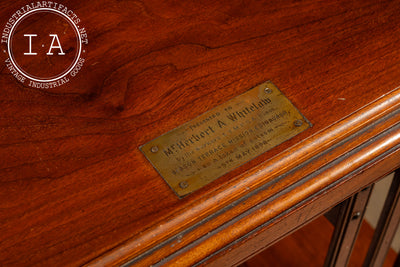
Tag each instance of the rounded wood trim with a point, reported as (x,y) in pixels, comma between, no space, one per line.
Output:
(246,183)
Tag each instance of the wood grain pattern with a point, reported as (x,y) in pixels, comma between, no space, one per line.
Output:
(74,187)
(309,245)
(308,189)
(276,229)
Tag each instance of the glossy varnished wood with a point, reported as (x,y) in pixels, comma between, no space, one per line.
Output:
(308,246)
(347,227)
(307,197)
(74,187)
(387,226)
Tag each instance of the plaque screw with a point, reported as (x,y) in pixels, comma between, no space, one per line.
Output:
(298,123)
(268,90)
(154,149)
(183,184)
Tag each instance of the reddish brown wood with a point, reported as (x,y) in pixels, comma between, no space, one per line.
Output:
(304,191)
(308,245)
(280,227)
(361,248)
(275,188)
(74,187)
(347,228)
(387,226)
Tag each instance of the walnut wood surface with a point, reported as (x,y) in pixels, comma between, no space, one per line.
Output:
(74,187)
(291,217)
(309,245)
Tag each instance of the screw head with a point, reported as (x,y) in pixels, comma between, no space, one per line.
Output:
(298,123)
(183,184)
(356,215)
(154,149)
(268,90)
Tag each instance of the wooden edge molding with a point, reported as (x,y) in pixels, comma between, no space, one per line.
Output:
(161,240)
(281,185)
(272,231)
(284,201)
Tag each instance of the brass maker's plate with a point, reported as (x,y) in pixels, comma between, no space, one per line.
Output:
(216,142)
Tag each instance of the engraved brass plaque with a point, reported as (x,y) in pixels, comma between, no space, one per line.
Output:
(218,141)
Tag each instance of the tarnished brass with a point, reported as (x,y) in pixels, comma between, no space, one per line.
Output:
(216,142)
